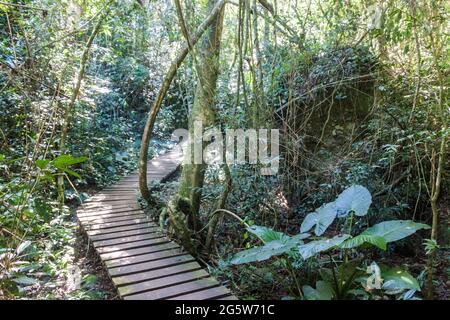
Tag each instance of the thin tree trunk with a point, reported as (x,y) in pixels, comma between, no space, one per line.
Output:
(221,205)
(189,194)
(71,106)
(146,136)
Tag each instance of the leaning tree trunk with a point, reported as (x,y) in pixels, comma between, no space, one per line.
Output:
(147,134)
(187,206)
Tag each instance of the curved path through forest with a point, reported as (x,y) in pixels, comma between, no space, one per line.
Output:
(140,260)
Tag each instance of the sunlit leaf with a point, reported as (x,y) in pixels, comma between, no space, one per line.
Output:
(394,230)
(362,239)
(314,247)
(355,198)
(398,279)
(322,218)
(65,160)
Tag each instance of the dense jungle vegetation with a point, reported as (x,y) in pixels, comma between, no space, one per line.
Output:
(359,90)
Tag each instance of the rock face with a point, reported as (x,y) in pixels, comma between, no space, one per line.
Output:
(329,96)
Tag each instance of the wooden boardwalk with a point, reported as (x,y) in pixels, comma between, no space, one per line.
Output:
(142,262)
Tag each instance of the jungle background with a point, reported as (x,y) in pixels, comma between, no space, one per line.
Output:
(359,90)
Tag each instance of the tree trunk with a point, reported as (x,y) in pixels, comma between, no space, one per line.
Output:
(193,173)
(71,106)
(147,134)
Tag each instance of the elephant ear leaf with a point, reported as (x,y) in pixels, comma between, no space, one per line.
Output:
(63,161)
(394,230)
(322,218)
(323,291)
(260,253)
(355,199)
(268,250)
(314,247)
(362,239)
(267,234)
(399,279)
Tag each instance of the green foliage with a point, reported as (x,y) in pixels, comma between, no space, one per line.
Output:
(355,199)
(312,248)
(322,218)
(398,279)
(340,282)
(323,291)
(361,239)
(395,230)
(275,243)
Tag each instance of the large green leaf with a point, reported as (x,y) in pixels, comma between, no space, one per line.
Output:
(322,218)
(314,247)
(72,173)
(394,230)
(355,198)
(24,280)
(364,238)
(65,160)
(323,291)
(398,279)
(267,251)
(42,164)
(267,234)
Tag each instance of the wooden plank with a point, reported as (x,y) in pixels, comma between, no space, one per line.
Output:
(139,237)
(110,205)
(118,193)
(162,282)
(117,224)
(108,219)
(138,251)
(208,294)
(118,188)
(228,298)
(120,234)
(109,209)
(133,245)
(121,228)
(151,265)
(173,291)
(155,274)
(84,216)
(105,199)
(145,257)
(92,217)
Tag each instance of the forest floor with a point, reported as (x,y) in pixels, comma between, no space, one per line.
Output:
(67,268)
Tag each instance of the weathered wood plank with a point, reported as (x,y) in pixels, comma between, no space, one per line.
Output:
(175,290)
(162,282)
(152,265)
(211,293)
(111,242)
(144,257)
(117,224)
(121,234)
(104,214)
(155,274)
(121,228)
(107,219)
(138,251)
(133,245)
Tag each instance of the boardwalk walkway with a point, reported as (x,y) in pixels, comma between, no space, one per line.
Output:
(142,262)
